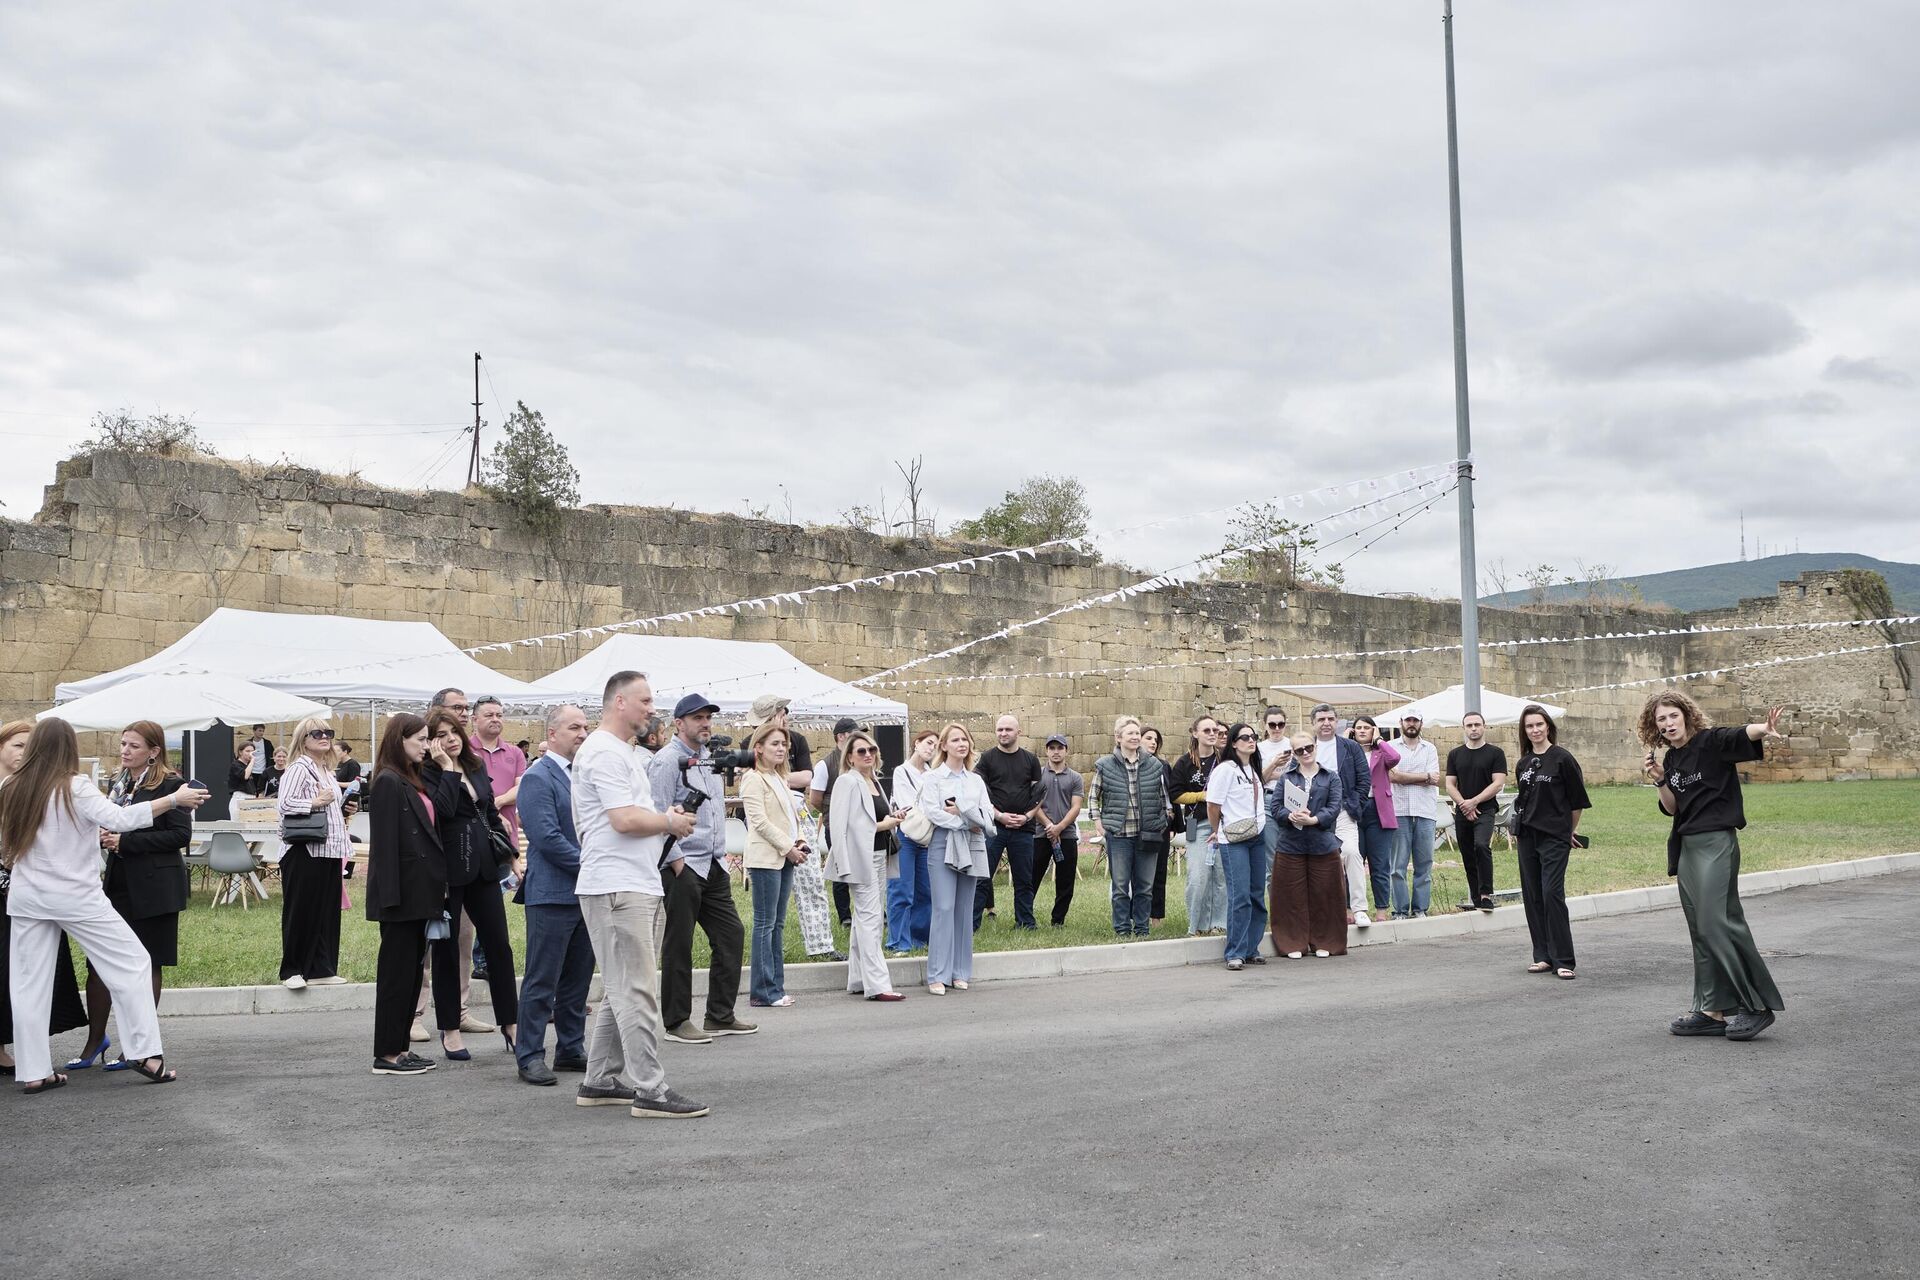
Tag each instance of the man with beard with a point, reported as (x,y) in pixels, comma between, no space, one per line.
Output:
(1416,789)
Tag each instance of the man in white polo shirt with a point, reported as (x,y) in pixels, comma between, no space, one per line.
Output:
(622,836)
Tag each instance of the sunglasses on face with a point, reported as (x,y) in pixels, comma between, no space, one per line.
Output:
(863,751)
(1245,737)
(1303,751)
(320,733)
(1276,724)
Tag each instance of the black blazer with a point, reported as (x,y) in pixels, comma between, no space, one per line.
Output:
(147,875)
(406,868)
(464,821)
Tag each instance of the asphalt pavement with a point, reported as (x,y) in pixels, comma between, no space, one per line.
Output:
(1423,1109)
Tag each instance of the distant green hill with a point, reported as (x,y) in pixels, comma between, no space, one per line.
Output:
(1716,586)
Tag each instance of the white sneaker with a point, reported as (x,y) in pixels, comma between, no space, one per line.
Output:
(1293,955)
(1361,920)
(1322,954)
(295,983)
(335,981)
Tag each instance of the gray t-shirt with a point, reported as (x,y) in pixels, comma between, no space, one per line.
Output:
(1057,791)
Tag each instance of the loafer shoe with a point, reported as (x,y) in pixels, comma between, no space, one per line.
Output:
(687,1033)
(737,1027)
(538,1073)
(1697,1024)
(476,1026)
(603,1095)
(569,1064)
(668,1106)
(1745,1025)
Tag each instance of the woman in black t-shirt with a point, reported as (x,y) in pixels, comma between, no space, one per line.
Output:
(1733,993)
(1546,816)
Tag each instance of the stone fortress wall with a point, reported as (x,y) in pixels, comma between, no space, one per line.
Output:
(129,552)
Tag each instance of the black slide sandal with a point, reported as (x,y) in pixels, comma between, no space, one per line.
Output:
(155,1075)
(54,1081)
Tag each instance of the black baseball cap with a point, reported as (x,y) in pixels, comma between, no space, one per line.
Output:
(692,705)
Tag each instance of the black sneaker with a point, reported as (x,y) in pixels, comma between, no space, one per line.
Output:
(406,1064)
(1256,959)
(603,1095)
(538,1072)
(668,1106)
(1697,1024)
(479,974)
(1745,1025)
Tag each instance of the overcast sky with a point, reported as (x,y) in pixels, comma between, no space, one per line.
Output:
(1191,253)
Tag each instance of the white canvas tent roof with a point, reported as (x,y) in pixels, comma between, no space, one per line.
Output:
(324,657)
(730,672)
(186,701)
(1445,707)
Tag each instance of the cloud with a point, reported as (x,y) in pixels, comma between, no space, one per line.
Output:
(1867,369)
(1672,331)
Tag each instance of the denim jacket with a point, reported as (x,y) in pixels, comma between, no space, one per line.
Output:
(1324,797)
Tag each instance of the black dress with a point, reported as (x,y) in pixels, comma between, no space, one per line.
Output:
(147,875)
(68,1011)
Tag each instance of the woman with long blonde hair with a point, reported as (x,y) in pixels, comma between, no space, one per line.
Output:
(67,1012)
(954,799)
(146,878)
(311,870)
(51,817)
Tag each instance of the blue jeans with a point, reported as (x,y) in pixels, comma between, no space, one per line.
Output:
(1246,865)
(1131,861)
(949,937)
(559,972)
(1412,843)
(1017,844)
(909,899)
(767,969)
(1376,846)
(1206,882)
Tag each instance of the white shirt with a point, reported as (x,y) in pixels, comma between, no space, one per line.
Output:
(642,754)
(59,876)
(820,776)
(607,775)
(1416,801)
(1268,750)
(906,785)
(1326,751)
(1237,796)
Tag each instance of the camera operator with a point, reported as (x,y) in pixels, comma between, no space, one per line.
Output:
(698,889)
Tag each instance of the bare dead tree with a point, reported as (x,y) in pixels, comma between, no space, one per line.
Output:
(915,494)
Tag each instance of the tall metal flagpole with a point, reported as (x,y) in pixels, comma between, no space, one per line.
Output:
(1463,435)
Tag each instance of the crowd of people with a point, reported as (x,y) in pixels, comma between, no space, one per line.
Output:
(1287,836)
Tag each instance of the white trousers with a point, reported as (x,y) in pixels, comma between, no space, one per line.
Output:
(113,953)
(1350,861)
(866,963)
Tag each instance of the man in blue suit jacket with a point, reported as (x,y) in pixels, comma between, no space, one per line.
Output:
(1348,759)
(559,954)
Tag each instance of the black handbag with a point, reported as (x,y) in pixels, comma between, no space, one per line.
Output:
(304,828)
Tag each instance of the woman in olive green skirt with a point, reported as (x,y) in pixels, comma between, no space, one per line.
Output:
(1733,993)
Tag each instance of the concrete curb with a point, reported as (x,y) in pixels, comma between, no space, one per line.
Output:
(1061,962)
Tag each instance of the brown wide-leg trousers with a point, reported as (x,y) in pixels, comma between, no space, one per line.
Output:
(1308,904)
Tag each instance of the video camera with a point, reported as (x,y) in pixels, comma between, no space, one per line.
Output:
(731,763)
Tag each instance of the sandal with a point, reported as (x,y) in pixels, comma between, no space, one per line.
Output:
(155,1075)
(1567,974)
(54,1081)
(1538,966)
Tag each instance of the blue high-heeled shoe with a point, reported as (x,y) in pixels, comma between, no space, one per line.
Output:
(454,1055)
(86,1063)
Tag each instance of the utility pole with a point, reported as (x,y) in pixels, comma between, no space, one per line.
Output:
(473,462)
(1463,436)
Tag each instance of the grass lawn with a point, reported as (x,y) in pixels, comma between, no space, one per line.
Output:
(1792,824)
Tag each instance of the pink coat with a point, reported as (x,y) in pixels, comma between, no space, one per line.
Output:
(1382,758)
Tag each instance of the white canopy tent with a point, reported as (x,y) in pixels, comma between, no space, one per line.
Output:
(730,672)
(368,661)
(185,701)
(1447,707)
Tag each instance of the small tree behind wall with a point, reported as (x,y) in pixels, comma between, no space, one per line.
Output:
(530,472)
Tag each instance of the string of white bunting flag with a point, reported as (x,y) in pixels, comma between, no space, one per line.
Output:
(1169,577)
(1348,655)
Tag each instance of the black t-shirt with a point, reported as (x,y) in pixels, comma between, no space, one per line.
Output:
(348,771)
(1551,788)
(799,752)
(1472,768)
(1012,778)
(1705,785)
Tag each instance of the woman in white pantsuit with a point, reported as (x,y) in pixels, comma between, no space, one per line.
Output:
(859,821)
(51,817)
(954,799)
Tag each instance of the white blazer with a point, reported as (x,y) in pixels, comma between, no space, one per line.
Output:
(853,828)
